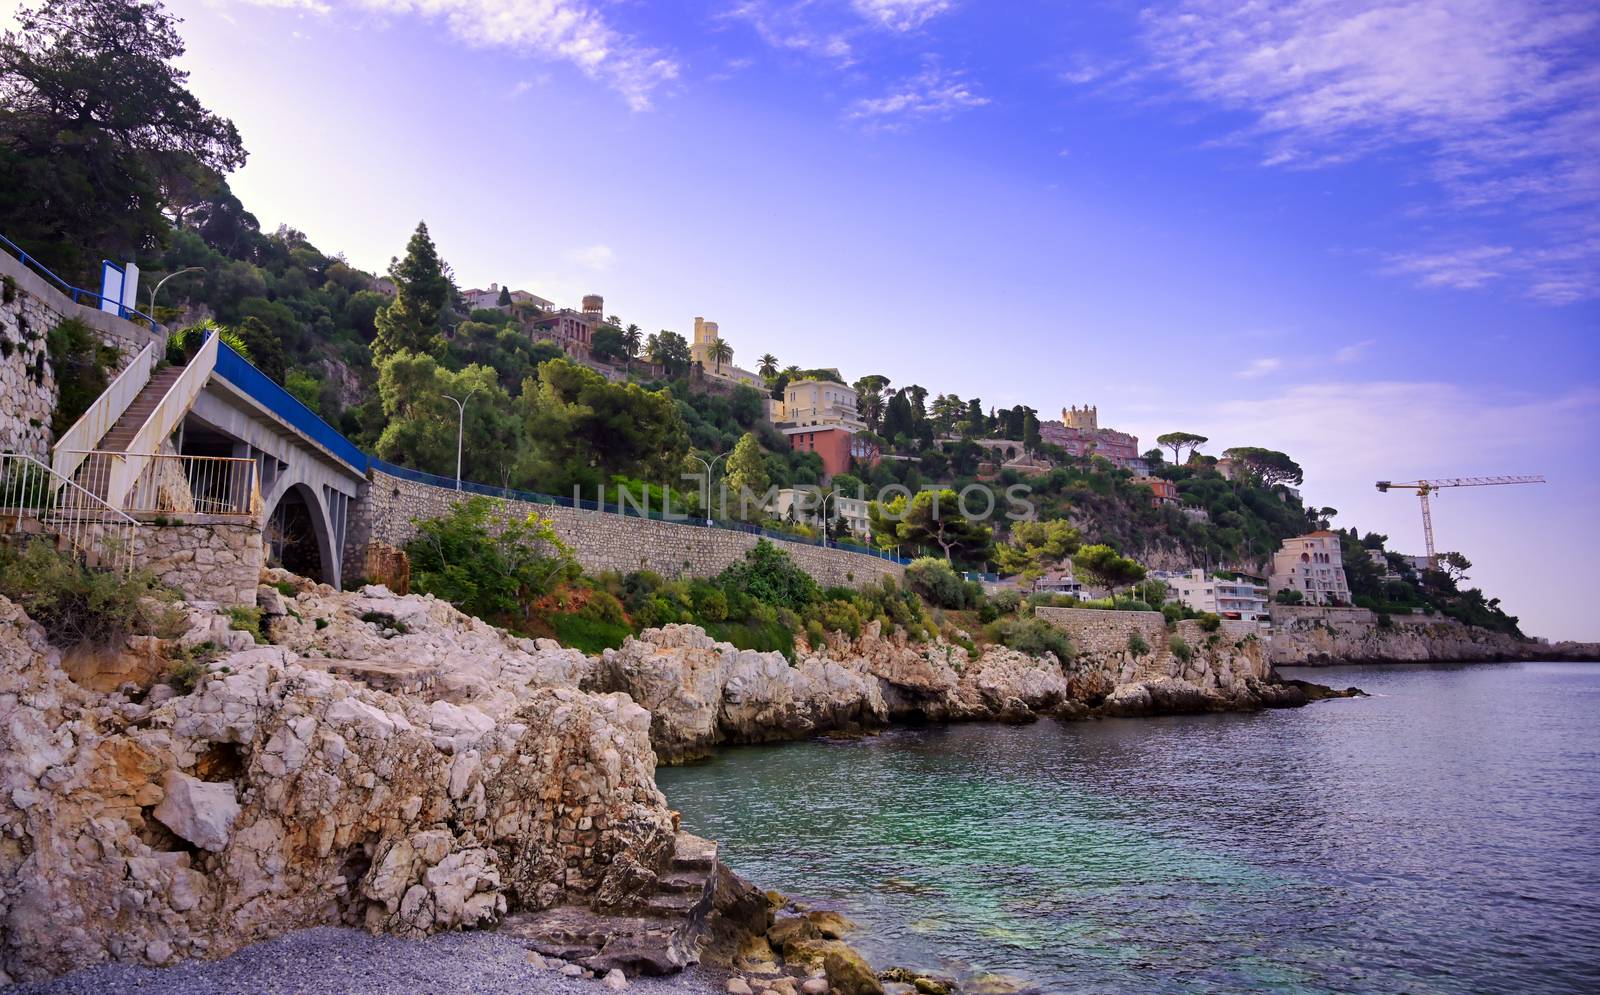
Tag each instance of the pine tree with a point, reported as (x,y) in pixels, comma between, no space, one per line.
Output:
(411,321)
(505,297)
(747,474)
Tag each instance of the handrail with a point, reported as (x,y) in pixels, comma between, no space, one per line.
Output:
(179,484)
(74,292)
(89,429)
(238,371)
(164,418)
(73,516)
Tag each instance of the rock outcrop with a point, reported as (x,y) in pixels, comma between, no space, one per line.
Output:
(1308,638)
(287,790)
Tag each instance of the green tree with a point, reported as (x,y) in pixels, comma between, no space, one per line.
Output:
(96,125)
(931,519)
(1034,546)
(265,347)
(1268,466)
(670,351)
(1107,568)
(769,365)
(1455,566)
(747,478)
(581,430)
(1031,439)
(607,345)
(411,321)
(491,566)
(632,341)
(897,422)
(504,299)
(421,423)
(1179,441)
(721,352)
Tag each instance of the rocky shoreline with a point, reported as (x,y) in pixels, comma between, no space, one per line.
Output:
(389,764)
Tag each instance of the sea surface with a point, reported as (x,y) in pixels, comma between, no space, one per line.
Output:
(1442,835)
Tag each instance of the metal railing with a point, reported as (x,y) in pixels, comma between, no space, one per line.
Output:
(88,430)
(162,421)
(237,370)
(173,485)
(35,501)
(75,293)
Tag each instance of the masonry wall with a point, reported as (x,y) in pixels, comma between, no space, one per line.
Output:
(30,307)
(1101,638)
(207,562)
(601,541)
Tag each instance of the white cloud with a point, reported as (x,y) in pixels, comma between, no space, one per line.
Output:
(902,15)
(572,31)
(1354,351)
(1500,98)
(596,257)
(791,26)
(932,94)
(1260,368)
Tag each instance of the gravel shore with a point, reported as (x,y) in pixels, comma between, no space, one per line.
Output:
(328,960)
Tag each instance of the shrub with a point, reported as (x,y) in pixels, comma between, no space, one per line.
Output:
(494,570)
(1210,622)
(710,604)
(764,637)
(78,605)
(938,583)
(185,342)
(816,635)
(189,665)
(385,621)
(767,574)
(1034,636)
(1180,649)
(246,619)
(80,362)
(603,606)
(1136,644)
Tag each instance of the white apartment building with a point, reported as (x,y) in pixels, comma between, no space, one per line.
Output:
(1240,597)
(1313,565)
(803,504)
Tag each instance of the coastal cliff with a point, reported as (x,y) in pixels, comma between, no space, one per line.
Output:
(387,762)
(1323,637)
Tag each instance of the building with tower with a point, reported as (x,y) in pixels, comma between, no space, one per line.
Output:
(1079,434)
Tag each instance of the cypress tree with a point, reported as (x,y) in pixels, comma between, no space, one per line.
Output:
(421,290)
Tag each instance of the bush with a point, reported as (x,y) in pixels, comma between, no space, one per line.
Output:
(767,574)
(492,570)
(710,603)
(603,606)
(81,364)
(1136,644)
(1180,649)
(1034,636)
(938,583)
(764,637)
(77,605)
(246,619)
(1210,622)
(1004,602)
(816,635)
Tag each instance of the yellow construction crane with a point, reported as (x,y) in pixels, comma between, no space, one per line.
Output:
(1426,487)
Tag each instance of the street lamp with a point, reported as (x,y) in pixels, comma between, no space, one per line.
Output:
(708,467)
(461,424)
(825,499)
(157,288)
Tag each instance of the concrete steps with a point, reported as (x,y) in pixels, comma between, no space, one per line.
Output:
(133,419)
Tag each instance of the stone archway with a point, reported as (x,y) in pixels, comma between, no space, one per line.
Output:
(297,536)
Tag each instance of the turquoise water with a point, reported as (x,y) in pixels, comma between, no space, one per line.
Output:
(1437,837)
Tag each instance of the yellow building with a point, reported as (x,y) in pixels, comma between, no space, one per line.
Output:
(706,336)
(820,403)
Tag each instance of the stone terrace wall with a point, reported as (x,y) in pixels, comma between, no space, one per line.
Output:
(600,540)
(207,562)
(30,308)
(1100,638)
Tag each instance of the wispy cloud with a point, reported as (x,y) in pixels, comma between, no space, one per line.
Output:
(902,15)
(571,31)
(1260,367)
(933,94)
(794,27)
(1499,98)
(1354,351)
(596,257)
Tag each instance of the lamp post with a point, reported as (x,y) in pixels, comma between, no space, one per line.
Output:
(461,425)
(157,288)
(708,467)
(825,499)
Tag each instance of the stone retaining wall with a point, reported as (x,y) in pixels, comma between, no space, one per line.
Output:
(30,307)
(1216,659)
(218,562)
(388,510)
(1290,614)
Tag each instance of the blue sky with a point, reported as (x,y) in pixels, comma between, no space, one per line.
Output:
(1365,233)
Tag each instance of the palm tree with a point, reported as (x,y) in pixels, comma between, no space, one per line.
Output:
(632,340)
(791,369)
(769,366)
(870,403)
(721,352)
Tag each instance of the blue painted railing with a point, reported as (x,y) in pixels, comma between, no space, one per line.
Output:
(237,370)
(75,293)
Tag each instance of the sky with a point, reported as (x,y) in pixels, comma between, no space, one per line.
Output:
(1364,233)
